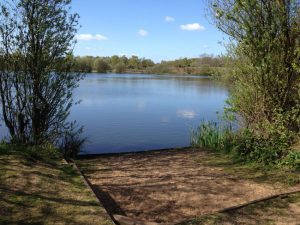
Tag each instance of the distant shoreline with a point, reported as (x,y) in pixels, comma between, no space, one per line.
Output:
(207,65)
(144,72)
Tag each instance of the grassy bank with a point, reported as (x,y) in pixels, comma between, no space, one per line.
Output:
(281,210)
(40,188)
(285,177)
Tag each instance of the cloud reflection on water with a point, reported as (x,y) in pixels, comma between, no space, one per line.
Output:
(186,113)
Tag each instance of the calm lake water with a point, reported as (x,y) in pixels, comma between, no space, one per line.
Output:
(141,112)
(122,113)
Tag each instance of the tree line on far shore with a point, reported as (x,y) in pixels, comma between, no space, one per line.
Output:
(204,65)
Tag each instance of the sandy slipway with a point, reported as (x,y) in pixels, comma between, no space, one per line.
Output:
(169,186)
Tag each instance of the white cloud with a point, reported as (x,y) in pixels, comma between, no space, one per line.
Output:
(192,27)
(143,32)
(186,114)
(90,37)
(205,46)
(169,19)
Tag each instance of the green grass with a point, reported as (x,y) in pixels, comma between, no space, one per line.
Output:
(279,210)
(252,171)
(213,136)
(38,187)
(221,141)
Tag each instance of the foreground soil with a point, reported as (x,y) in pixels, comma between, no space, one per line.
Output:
(38,191)
(172,186)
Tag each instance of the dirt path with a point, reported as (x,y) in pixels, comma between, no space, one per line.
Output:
(167,186)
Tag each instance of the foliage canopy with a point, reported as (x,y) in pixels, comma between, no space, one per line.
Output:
(36,41)
(266,56)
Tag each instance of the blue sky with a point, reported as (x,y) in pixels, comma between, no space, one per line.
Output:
(156,29)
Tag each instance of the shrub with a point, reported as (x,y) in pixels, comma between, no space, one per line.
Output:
(267,142)
(72,142)
(256,148)
(292,160)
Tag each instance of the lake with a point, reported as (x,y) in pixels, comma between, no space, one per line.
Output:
(135,112)
(123,113)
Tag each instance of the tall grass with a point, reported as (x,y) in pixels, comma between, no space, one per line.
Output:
(213,136)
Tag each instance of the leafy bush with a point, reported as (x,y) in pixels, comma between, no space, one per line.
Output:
(292,160)
(266,142)
(269,146)
(256,148)
(72,142)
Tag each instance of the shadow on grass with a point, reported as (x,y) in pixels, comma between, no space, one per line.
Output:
(256,172)
(41,197)
(266,212)
(44,192)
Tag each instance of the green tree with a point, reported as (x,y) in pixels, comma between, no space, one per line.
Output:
(114,60)
(268,46)
(134,62)
(266,40)
(101,66)
(83,64)
(124,60)
(120,68)
(36,42)
(145,63)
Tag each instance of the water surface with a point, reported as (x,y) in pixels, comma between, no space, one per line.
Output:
(133,112)
(123,113)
